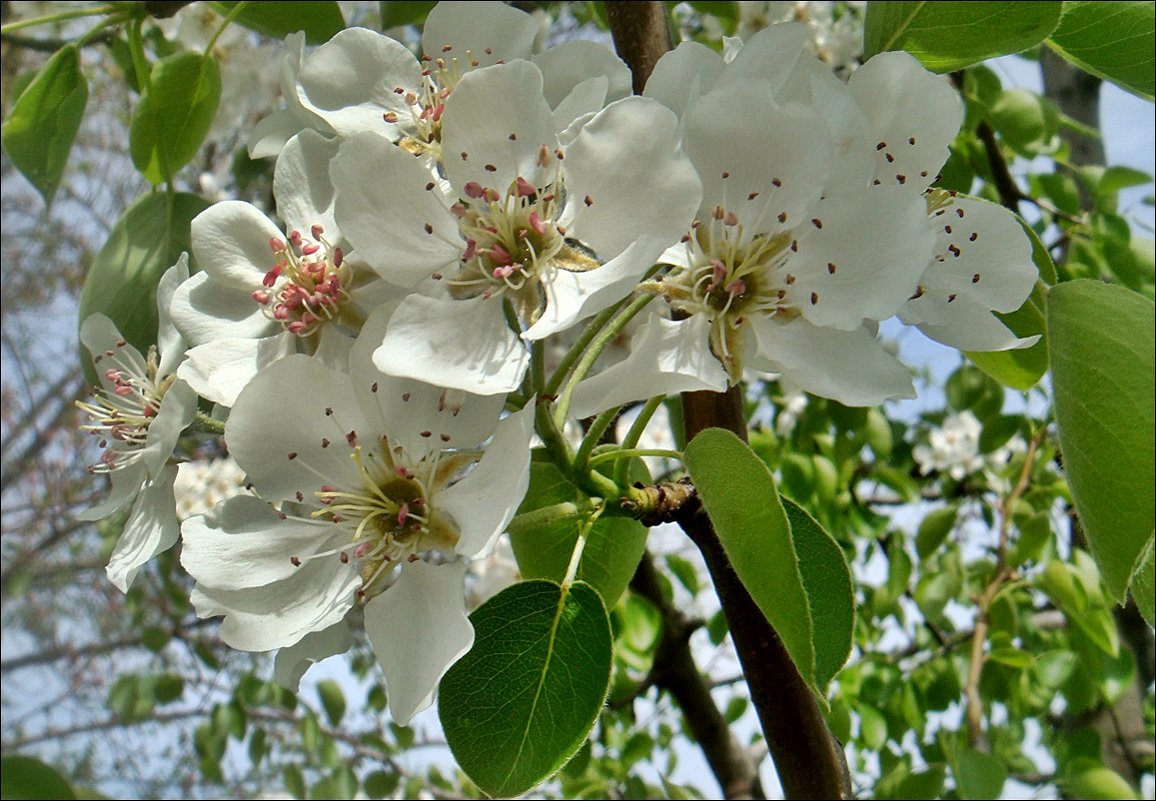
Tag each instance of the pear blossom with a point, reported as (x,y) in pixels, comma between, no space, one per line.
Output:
(374,492)
(363,81)
(138,413)
(549,224)
(953,448)
(203,483)
(264,294)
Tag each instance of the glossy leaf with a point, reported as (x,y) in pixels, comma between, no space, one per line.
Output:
(122,281)
(175,114)
(740,496)
(39,132)
(830,592)
(1114,41)
(523,700)
(950,36)
(1102,346)
(320,20)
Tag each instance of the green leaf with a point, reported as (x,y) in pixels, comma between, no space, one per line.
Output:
(1143,583)
(24,777)
(613,549)
(404,12)
(319,20)
(122,281)
(332,699)
(175,114)
(933,530)
(525,697)
(1103,355)
(830,592)
(925,784)
(739,494)
(1097,783)
(42,125)
(979,775)
(1114,41)
(951,36)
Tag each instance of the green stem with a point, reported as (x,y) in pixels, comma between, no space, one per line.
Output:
(588,333)
(60,16)
(580,546)
(203,424)
(232,15)
(140,64)
(635,433)
(529,522)
(593,437)
(627,453)
(604,337)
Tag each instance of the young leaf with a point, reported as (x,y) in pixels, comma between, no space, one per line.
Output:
(950,36)
(175,114)
(740,496)
(42,126)
(979,775)
(523,700)
(830,593)
(28,777)
(319,20)
(1101,345)
(122,281)
(332,699)
(1114,41)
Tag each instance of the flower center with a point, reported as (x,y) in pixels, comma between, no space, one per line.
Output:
(308,286)
(730,278)
(439,77)
(121,414)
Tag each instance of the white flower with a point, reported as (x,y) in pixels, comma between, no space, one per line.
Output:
(362,81)
(792,405)
(560,225)
(953,448)
(202,484)
(262,294)
(385,488)
(138,413)
(489,576)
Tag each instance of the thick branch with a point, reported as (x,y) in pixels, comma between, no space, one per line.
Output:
(676,672)
(641,35)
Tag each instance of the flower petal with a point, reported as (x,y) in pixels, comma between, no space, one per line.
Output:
(426,599)
(570,64)
(485,500)
(170,344)
(152,527)
(485,32)
(220,369)
(294,660)
(682,74)
(666,357)
(848,366)
(301,184)
(177,410)
(205,310)
(403,229)
(231,244)
(460,344)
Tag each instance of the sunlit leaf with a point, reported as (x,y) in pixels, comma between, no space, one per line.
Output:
(1114,41)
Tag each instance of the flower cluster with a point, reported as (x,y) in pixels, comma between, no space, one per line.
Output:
(449,218)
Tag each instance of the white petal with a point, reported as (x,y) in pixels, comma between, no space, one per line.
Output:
(485,500)
(460,344)
(914,114)
(231,244)
(774,163)
(270,134)
(301,184)
(102,339)
(681,74)
(170,344)
(178,408)
(666,357)
(632,146)
(418,628)
(288,429)
(205,310)
(126,484)
(499,146)
(314,598)
(486,32)
(974,327)
(570,64)
(859,257)
(220,369)
(245,542)
(982,256)
(350,80)
(586,99)
(848,366)
(386,212)
(152,527)
(770,55)
(293,661)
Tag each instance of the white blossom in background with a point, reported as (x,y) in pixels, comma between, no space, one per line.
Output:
(263,294)
(138,414)
(556,224)
(202,484)
(953,448)
(787,412)
(386,487)
(492,574)
(362,81)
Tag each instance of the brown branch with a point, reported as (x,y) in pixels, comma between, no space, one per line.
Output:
(641,35)
(676,672)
